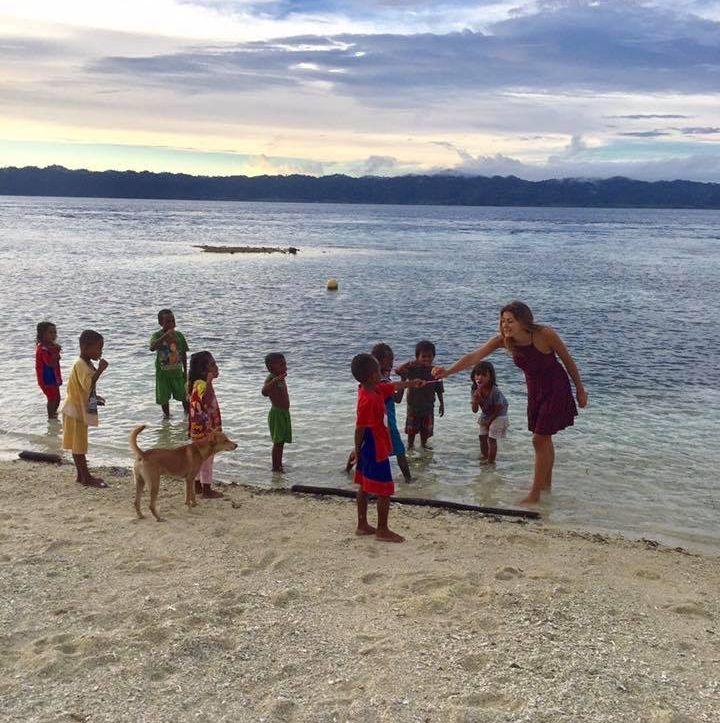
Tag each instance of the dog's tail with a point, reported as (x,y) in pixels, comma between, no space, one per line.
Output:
(133,441)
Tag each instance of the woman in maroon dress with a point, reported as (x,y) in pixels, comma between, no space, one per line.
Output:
(535,348)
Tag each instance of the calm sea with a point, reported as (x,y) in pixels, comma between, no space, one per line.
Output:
(634,293)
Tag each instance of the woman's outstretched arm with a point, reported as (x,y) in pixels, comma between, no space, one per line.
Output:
(469,360)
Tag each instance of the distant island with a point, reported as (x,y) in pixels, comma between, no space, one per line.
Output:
(442,189)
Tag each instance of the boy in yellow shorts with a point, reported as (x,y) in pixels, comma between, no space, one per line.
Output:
(81,403)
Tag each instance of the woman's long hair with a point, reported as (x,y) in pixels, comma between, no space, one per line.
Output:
(523,316)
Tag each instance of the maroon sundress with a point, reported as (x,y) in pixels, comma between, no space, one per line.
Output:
(550,403)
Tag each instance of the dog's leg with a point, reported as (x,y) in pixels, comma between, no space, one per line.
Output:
(154,490)
(139,487)
(190,500)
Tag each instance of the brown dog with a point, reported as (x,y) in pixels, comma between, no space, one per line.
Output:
(182,462)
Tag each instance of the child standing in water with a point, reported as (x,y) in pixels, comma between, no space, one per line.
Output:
(80,408)
(421,401)
(47,365)
(275,388)
(373,445)
(204,413)
(170,350)
(486,397)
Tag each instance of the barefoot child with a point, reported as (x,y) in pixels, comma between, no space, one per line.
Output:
(170,363)
(279,422)
(421,402)
(385,357)
(486,397)
(373,445)
(47,365)
(204,413)
(80,408)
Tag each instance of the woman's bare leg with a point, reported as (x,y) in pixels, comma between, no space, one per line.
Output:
(544,458)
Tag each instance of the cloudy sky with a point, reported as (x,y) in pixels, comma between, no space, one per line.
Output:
(550,88)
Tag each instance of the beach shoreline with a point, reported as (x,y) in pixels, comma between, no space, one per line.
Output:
(266,606)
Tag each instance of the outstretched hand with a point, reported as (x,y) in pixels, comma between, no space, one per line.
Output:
(439,372)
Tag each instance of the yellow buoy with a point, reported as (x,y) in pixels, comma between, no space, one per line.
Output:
(332,285)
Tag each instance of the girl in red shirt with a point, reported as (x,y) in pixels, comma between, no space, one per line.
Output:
(47,365)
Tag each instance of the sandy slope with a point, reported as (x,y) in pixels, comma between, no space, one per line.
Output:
(267,607)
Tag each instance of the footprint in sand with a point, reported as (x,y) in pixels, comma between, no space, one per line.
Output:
(493,701)
(509,573)
(647,575)
(268,560)
(429,583)
(474,662)
(371,577)
(691,609)
(284,598)
(161,672)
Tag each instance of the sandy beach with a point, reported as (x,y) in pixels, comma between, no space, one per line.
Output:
(266,607)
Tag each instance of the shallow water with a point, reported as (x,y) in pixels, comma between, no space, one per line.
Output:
(634,293)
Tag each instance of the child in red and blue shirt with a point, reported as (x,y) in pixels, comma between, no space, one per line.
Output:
(373,445)
(47,365)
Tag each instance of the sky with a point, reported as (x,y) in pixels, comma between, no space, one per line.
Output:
(541,89)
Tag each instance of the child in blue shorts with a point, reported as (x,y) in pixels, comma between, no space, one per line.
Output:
(385,358)
(373,445)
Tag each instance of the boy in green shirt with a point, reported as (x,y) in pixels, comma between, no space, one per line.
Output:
(170,363)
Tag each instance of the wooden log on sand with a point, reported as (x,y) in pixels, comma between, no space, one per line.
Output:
(247,249)
(421,502)
(31,456)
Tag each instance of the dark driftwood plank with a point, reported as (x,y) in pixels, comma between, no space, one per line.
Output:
(31,456)
(247,249)
(421,502)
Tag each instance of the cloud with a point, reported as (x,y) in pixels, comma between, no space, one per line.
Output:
(379,166)
(594,47)
(698,166)
(699,130)
(357,85)
(267,165)
(645,134)
(639,116)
